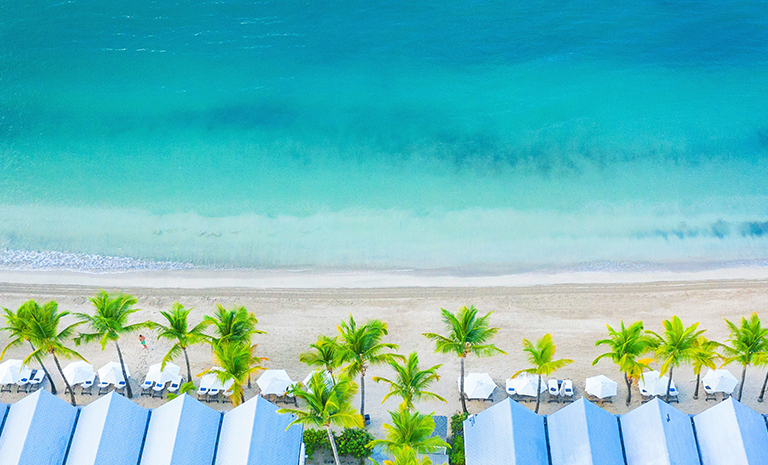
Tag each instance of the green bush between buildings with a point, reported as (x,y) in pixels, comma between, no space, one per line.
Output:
(456,440)
(351,442)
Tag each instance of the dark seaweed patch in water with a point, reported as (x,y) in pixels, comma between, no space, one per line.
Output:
(754,229)
(249,116)
(719,229)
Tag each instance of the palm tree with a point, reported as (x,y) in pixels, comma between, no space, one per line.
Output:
(185,388)
(747,344)
(233,325)
(410,430)
(540,355)
(676,346)
(361,347)
(325,353)
(467,335)
(44,333)
(704,357)
(237,362)
(17,325)
(406,457)
(410,383)
(179,332)
(109,322)
(627,345)
(326,405)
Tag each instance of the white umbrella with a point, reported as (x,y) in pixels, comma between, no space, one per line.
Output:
(79,372)
(160,375)
(274,382)
(11,371)
(720,381)
(525,384)
(601,386)
(478,385)
(112,373)
(326,376)
(654,385)
(211,381)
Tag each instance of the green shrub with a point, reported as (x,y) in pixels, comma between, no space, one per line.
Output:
(457,423)
(352,441)
(315,439)
(457,450)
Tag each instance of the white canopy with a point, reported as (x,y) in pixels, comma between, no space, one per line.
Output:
(324,373)
(478,385)
(161,376)
(525,384)
(653,385)
(79,372)
(601,386)
(12,370)
(111,373)
(211,381)
(719,381)
(274,382)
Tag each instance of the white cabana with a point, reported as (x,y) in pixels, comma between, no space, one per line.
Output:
(37,430)
(112,373)
(211,381)
(731,433)
(109,432)
(584,434)
(658,433)
(160,375)
(652,384)
(274,382)
(79,372)
(601,386)
(12,371)
(525,384)
(326,376)
(254,434)
(719,381)
(477,385)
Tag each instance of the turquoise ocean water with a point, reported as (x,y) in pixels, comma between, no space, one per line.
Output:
(473,135)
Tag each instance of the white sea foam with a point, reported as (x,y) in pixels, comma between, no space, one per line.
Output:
(27,260)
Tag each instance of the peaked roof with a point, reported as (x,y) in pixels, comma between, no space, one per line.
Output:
(582,433)
(731,433)
(506,433)
(109,431)
(37,430)
(181,432)
(3,411)
(254,433)
(660,434)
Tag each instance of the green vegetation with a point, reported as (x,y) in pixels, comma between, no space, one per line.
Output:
(540,356)
(410,383)
(177,330)
(627,346)
(456,440)
(746,345)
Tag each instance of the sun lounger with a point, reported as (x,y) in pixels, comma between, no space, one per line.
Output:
(202,392)
(146,386)
(710,393)
(567,390)
(6,387)
(672,397)
(103,387)
(213,395)
(22,385)
(174,386)
(157,390)
(36,380)
(553,387)
(87,387)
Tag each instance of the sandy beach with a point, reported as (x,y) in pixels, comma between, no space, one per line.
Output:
(575,314)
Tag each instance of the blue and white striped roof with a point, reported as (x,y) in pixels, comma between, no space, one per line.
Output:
(255,434)
(37,430)
(109,432)
(731,433)
(657,433)
(584,434)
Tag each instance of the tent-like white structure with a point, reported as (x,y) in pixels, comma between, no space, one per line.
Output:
(506,433)
(525,384)
(79,372)
(326,376)
(274,382)
(182,431)
(254,434)
(477,385)
(12,370)
(109,432)
(653,384)
(720,380)
(731,434)
(583,433)
(37,430)
(160,375)
(658,433)
(112,373)
(211,381)
(601,386)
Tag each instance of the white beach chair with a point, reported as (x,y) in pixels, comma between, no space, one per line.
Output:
(511,392)
(146,386)
(22,385)
(36,380)
(157,389)
(673,394)
(553,387)
(175,384)
(87,386)
(202,392)
(213,395)
(567,390)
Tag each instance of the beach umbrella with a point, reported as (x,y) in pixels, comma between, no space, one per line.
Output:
(161,375)
(79,372)
(111,373)
(12,370)
(652,384)
(211,381)
(274,382)
(525,384)
(324,373)
(478,385)
(601,386)
(720,381)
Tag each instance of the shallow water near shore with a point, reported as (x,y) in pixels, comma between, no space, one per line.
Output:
(472,136)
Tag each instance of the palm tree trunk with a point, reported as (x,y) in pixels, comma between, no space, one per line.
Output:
(762,391)
(461,388)
(333,445)
(362,394)
(741,386)
(66,383)
(698,381)
(629,388)
(538,395)
(669,382)
(186,358)
(128,390)
(54,391)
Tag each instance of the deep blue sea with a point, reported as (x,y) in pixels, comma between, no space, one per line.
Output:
(464,135)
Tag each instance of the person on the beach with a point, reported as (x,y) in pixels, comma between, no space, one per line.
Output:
(143,341)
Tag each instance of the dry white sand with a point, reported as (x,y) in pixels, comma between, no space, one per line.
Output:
(575,314)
